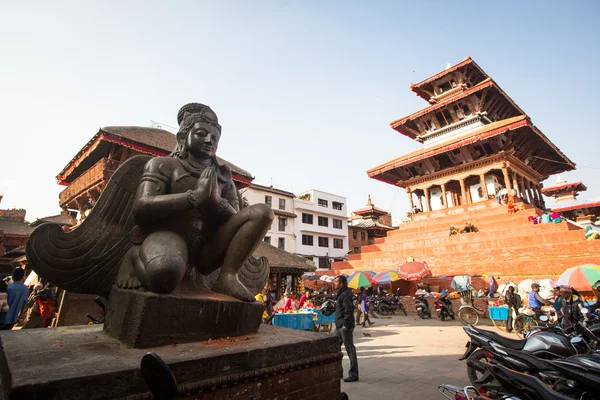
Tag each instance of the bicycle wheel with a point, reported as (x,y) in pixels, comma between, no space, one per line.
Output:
(523,325)
(468,316)
(500,324)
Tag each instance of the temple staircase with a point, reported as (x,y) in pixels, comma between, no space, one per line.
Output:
(506,244)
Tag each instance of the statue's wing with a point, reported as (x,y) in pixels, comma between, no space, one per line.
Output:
(254,273)
(87,259)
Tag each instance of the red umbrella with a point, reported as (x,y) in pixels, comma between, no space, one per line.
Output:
(413,271)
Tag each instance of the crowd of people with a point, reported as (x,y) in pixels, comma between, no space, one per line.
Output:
(30,308)
(546,218)
(567,303)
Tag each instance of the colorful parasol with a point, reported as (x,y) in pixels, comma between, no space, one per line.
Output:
(413,271)
(370,274)
(359,279)
(580,278)
(386,277)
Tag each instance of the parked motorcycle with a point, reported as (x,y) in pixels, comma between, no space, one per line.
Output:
(422,306)
(443,308)
(542,344)
(397,305)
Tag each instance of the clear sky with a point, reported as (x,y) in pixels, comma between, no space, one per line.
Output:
(304,90)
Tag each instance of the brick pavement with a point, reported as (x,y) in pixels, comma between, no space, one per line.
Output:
(407,358)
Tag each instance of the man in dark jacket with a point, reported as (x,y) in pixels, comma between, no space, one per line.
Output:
(513,301)
(344,324)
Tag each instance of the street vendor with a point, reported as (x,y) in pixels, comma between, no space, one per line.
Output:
(303,299)
(289,304)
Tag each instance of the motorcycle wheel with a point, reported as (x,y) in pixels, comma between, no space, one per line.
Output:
(475,373)
(442,317)
(468,316)
(383,309)
(403,310)
(422,315)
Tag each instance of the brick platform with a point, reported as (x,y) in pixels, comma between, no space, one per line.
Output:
(85,363)
(506,245)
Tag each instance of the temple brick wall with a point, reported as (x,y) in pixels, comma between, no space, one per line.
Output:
(506,245)
(317,382)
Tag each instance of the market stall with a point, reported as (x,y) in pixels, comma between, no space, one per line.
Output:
(286,269)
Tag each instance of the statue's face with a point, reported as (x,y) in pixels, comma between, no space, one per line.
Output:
(203,140)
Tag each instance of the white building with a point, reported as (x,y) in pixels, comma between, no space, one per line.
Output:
(322,227)
(282,232)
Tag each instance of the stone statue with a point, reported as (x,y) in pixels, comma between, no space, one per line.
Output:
(160,222)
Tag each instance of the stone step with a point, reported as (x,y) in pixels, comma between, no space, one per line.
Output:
(478,250)
(552,231)
(452,261)
(476,219)
(543,266)
(491,208)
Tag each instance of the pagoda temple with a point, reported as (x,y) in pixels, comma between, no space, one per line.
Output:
(366,224)
(476,141)
(563,192)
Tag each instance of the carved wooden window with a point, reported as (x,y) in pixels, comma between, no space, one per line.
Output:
(362,236)
(356,250)
(354,235)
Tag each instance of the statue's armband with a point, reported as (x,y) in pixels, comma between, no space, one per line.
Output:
(159,180)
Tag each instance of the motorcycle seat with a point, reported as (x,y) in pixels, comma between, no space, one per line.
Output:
(514,344)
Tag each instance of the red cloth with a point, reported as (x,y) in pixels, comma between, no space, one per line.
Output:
(288,305)
(302,301)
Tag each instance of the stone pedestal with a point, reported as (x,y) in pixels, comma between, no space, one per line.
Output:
(86,363)
(145,319)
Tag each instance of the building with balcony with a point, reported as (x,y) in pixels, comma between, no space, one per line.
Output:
(322,227)
(282,233)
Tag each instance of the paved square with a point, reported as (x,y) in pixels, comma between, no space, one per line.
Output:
(407,358)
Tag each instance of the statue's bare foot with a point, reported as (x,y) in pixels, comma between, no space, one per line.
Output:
(230,285)
(126,278)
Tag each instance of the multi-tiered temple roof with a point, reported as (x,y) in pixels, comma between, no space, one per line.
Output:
(475,138)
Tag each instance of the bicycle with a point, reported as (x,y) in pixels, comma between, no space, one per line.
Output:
(468,314)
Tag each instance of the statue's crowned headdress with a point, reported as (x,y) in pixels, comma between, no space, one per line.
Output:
(191,113)
(187,116)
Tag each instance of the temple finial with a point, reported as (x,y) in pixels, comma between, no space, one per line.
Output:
(369,202)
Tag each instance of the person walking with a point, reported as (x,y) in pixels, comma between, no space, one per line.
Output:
(344,324)
(364,306)
(16,297)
